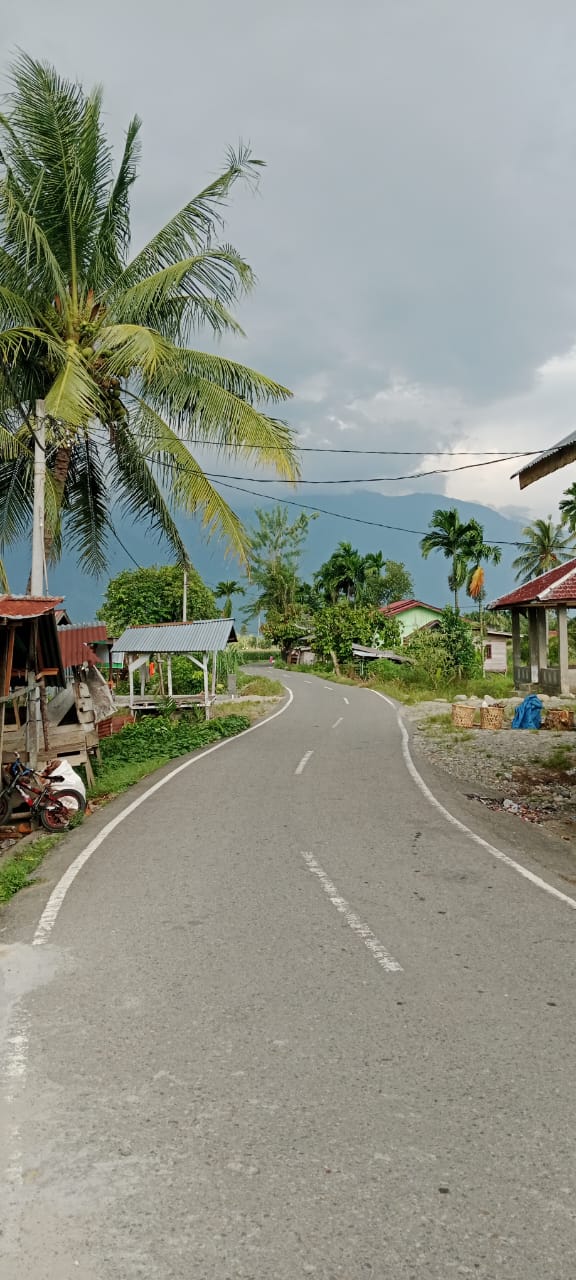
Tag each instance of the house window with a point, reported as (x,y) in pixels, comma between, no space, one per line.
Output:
(487,650)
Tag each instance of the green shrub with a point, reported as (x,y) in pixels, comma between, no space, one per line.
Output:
(167,736)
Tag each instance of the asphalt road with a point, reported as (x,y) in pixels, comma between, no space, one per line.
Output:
(290,1022)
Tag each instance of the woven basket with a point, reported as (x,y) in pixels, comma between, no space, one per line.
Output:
(491,717)
(462,716)
(559,718)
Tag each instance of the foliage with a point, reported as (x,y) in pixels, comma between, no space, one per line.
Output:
(396,583)
(284,629)
(103,339)
(545,545)
(257,655)
(225,590)
(166,736)
(138,597)
(458,641)
(461,543)
(259,686)
(275,548)
(368,579)
(338,626)
(15,872)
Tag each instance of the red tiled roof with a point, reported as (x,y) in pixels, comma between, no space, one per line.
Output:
(401,606)
(76,642)
(558,586)
(27,606)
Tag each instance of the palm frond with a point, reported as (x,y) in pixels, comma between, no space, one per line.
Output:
(213,275)
(191,488)
(74,397)
(128,347)
(137,491)
(194,225)
(86,515)
(113,239)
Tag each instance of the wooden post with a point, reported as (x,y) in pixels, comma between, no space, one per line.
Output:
(169,665)
(206,694)
(214,672)
(131,681)
(143,679)
(516,652)
(563,649)
(161,673)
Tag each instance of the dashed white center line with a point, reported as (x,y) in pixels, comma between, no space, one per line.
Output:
(347,702)
(329,687)
(307,682)
(375,947)
(337,722)
(304,761)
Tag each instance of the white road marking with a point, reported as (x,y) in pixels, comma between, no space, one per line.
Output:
(304,761)
(337,722)
(347,702)
(307,682)
(330,687)
(461,826)
(53,906)
(375,947)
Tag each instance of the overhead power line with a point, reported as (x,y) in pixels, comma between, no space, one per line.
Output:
(410,475)
(380,453)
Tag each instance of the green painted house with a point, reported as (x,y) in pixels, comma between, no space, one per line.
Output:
(412,615)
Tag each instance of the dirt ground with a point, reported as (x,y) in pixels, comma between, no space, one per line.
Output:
(531,774)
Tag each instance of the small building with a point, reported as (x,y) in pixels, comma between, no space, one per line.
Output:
(411,615)
(552,591)
(302,654)
(200,641)
(496,650)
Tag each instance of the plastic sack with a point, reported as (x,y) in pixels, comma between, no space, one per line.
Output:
(529,714)
(69,778)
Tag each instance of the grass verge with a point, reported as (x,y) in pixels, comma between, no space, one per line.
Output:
(259,686)
(15,872)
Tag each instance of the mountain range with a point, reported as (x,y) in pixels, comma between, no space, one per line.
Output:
(410,515)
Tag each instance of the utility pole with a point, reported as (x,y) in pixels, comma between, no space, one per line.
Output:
(37,574)
(185,597)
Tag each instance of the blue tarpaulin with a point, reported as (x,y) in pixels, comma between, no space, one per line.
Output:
(529,714)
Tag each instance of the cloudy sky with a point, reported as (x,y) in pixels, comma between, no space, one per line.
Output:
(415,231)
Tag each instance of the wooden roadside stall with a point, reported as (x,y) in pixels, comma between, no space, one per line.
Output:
(199,641)
(30,660)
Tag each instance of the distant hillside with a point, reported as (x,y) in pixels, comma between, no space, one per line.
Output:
(411,512)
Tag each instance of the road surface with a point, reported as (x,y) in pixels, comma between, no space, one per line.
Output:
(289,1022)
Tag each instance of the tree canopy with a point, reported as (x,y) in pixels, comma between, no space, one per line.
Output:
(103,338)
(137,597)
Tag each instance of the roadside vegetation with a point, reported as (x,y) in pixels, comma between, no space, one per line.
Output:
(16,870)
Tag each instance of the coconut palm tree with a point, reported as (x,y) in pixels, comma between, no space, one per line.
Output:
(479,551)
(454,538)
(225,591)
(103,338)
(342,574)
(544,545)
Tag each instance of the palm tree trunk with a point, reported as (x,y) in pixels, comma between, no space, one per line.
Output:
(59,477)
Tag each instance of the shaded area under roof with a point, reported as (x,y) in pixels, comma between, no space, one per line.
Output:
(557,586)
(209,635)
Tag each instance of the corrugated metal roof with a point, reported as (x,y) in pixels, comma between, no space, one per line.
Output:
(19,607)
(552,459)
(76,642)
(205,636)
(557,586)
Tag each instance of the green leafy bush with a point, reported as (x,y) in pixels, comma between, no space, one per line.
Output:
(167,736)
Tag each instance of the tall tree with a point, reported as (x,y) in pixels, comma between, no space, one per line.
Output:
(342,574)
(457,540)
(225,591)
(103,338)
(479,553)
(275,548)
(544,545)
(136,597)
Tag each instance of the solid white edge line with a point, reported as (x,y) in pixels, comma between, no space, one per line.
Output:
(337,722)
(53,906)
(461,826)
(304,761)
(375,947)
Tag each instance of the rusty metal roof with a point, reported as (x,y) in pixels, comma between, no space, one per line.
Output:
(20,607)
(76,643)
(208,635)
